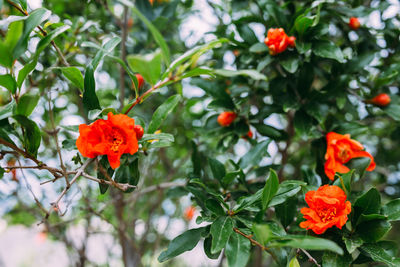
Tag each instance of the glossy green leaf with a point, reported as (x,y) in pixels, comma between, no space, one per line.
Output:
(270,188)
(195,52)
(344,181)
(290,64)
(255,154)
(217,168)
(368,203)
(237,250)
(34,19)
(74,75)
(110,172)
(107,48)
(221,230)
(207,249)
(379,254)
(8,82)
(392,210)
(258,48)
(262,233)
(286,211)
(27,103)
(7,110)
(330,259)
(327,49)
(149,66)
(214,206)
(247,201)
(128,173)
(182,243)
(294,263)
(269,131)
(352,243)
(32,136)
(302,23)
(307,242)
(287,189)
(162,112)
(90,100)
(13,35)
(374,230)
(232,73)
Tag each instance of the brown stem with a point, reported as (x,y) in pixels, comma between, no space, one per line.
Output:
(140,98)
(310,258)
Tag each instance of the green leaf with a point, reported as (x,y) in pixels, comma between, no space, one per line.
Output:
(221,229)
(74,75)
(197,72)
(195,52)
(392,210)
(255,155)
(27,104)
(149,66)
(294,263)
(290,64)
(247,34)
(156,34)
(107,48)
(69,144)
(207,249)
(90,100)
(162,112)
(258,48)
(182,243)
(8,82)
(379,254)
(232,73)
(287,189)
(270,188)
(370,217)
(330,259)
(307,242)
(286,211)
(7,110)
(262,233)
(302,23)
(106,165)
(32,136)
(368,203)
(393,109)
(128,173)
(1,169)
(247,201)
(160,136)
(237,250)
(352,243)
(345,181)
(214,206)
(34,19)
(13,35)
(372,231)
(269,131)
(217,168)
(327,49)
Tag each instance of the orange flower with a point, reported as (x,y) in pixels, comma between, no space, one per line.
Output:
(381,100)
(354,23)
(189,213)
(226,118)
(328,208)
(112,137)
(248,135)
(139,131)
(340,150)
(277,41)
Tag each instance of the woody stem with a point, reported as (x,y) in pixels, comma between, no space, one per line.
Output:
(310,257)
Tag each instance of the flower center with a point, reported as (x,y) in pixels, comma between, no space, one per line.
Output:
(327,214)
(115,139)
(343,153)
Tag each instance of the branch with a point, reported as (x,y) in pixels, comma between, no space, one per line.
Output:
(156,86)
(54,205)
(310,258)
(120,186)
(256,243)
(63,61)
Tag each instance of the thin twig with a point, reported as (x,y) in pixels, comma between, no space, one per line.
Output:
(120,186)
(158,85)
(256,243)
(311,259)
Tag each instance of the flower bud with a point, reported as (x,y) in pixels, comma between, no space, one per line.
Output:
(381,100)
(277,41)
(139,131)
(189,213)
(140,81)
(354,23)
(226,118)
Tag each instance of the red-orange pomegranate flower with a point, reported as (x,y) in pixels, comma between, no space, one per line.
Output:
(327,208)
(112,137)
(189,213)
(354,23)
(226,118)
(277,41)
(340,150)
